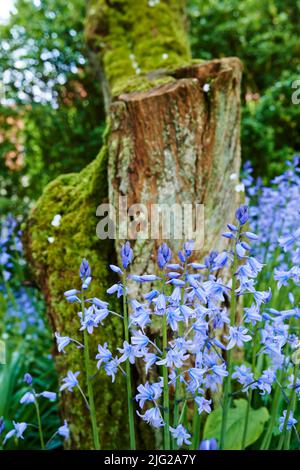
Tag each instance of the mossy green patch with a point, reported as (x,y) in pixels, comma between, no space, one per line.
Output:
(133,38)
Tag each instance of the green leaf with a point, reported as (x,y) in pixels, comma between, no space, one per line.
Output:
(235,424)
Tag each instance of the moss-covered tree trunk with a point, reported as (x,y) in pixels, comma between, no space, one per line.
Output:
(169,139)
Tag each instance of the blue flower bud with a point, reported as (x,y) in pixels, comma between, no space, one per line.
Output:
(164,255)
(126,255)
(85,270)
(27,379)
(242,214)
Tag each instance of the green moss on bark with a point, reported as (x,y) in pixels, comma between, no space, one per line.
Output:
(75,197)
(133,39)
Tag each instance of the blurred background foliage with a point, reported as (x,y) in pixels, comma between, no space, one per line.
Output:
(52,114)
(50,89)
(265,36)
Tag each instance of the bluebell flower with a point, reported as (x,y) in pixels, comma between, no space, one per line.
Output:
(174,274)
(250,235)
(85,270)
(145,278)
(203,404)
(266,381)
(189,247)
(129,352)
(88,320)
(151,295)
(252,314)
(174,358)
(116,269)
(116,288)
(160,304)
(240,250)
(70,381)
(27,379)
(64,431)
(149,392)
(86,283)
(220,260)
(176,282)
(152,417)
(208,444)
(141,315)
(139,339)
(290,422)
(229,235)
(18,431)
(71,295)
(219,370)
(237,336)
(126,255)
(181,256)
(173,317)
(49,395)
(99,303)
(111,368)
(244,376)
(164,255)
(104,355)
(100,314)
(62,341)
(149,359)
(28,398)
(196,375)
(2,425)
(181,435)
(242,214)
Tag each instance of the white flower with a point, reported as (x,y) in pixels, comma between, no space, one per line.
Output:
(206,87)
(25,181)
(56,220)
(233,176)
(240,188)
(51,239)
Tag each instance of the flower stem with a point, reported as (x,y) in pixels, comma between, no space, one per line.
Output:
(128,375)
(196,428)
(166,399)
(176,407)
(90,390)
(275,405)
(285,435)
(250,391)
(38,414)
(227,380)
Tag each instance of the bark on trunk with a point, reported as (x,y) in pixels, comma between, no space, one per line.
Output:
(167,141)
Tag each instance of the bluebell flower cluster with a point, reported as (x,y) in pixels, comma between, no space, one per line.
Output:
(192,299)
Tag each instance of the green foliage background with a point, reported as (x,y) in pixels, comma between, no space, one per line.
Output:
(46,67)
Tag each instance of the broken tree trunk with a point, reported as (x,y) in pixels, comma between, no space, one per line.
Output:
(167,141)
